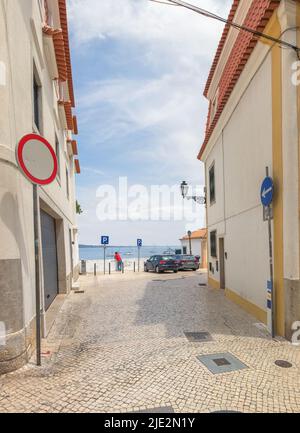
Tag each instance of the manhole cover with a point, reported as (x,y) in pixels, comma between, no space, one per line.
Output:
(195,337)
(202,284)
(283,364)
(221,363)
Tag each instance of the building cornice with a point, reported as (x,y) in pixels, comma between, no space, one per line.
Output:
(287,14)
(257,18)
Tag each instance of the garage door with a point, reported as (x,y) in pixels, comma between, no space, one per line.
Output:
(49,258)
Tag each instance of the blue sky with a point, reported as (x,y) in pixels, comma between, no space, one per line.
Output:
(139,72)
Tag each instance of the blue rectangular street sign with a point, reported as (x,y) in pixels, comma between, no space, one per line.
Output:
(140,242)
(104,240)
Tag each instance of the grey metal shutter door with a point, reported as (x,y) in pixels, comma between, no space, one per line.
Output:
(49,258)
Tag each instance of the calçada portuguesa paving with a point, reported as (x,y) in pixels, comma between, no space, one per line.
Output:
(120,347)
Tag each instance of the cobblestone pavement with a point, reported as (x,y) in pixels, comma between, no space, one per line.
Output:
(120,347)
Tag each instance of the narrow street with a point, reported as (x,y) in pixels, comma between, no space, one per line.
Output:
(120,347)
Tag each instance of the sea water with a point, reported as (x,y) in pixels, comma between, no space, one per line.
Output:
(126,252)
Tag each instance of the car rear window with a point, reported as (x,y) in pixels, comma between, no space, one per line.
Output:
(167,257)
(189,257)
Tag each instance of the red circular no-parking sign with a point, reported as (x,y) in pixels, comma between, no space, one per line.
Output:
(37,159)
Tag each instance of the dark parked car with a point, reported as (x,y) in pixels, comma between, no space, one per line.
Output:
(160,264)
(187,262)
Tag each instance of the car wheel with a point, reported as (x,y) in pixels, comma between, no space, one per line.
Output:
(146,269)
(157,270)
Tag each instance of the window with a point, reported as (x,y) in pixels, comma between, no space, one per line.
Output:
(212,186)
(57,151)
(213,243)
(184,250)
(67,183)
(37,102)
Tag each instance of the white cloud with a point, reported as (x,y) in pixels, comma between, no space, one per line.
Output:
(91,170)
(146,22)
(177,47)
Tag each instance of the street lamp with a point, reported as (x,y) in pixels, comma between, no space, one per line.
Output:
(184,192)
(190,242)
(184,189)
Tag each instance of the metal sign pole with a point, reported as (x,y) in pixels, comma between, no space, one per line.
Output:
(37,274)
(271,263)
(104,258)
(30,165)
(139,255)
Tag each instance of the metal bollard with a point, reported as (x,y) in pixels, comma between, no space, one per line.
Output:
(109,268)
(83,267)
(133,266)
(95,269)
(122,268)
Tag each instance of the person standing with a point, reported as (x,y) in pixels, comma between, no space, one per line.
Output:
(118,260)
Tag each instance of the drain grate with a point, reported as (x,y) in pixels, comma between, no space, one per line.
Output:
(166,409)
(283,364)
(77,292)
(221,363)
(196,337)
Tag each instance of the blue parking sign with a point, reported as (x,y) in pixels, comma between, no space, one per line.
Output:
(104,240)
(139,242)
(267,191)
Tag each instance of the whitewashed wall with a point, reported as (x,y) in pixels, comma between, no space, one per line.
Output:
(22,46)
(240,154)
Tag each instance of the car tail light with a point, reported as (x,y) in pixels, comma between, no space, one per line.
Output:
(162,262)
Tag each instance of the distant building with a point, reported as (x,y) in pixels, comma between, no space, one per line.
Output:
(198,245)
(36,93)
(253,123)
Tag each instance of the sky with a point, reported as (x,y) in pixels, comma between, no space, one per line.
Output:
(139,71)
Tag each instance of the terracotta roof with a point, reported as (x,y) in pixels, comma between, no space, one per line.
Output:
(58,41)
(74,147)
(65,31)
(75,127)
(257,18)
(221,45)
(68,110)
(77,166)
(63,59)
(198,234)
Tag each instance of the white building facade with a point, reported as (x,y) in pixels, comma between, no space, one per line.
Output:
(36,94)
(253,124)
(196,246)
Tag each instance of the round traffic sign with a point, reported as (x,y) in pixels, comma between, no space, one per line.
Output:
(267,191)
(37,159)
